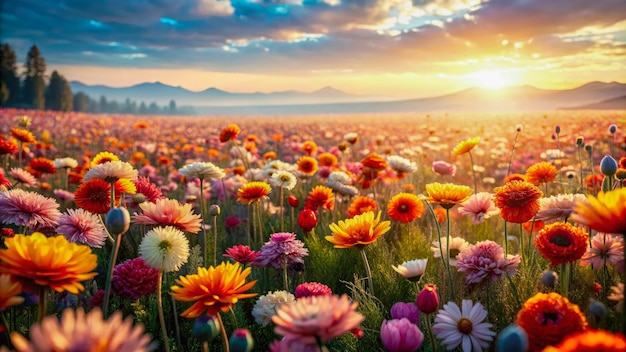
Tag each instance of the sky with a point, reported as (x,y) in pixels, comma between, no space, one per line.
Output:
(395,48)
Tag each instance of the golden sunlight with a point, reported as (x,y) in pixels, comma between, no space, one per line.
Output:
(491,79)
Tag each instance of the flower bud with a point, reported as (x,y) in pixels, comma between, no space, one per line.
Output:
(138,198)
(518,128)
(427,300)
(241,341)
(620,174)
(549,278)
(512,339)
(612,128)
(307,220)
(214,210)
(597,309)
(399,335)
(580,141)
(608,166)
(293,201)
(206,328)
(557,129)
(118,220)
(589,149)
(406,310)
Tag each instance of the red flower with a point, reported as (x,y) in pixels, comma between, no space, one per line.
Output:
(307,220)
(293,201)
(428,300)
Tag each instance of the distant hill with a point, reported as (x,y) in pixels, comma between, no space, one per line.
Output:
(618,103)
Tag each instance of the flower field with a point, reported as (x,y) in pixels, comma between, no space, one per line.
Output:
(407,232)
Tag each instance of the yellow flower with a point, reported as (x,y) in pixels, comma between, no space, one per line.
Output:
(465,146)
(37,260)
(606,213)
(103,157)
(448,194)
(359,231)
(253,191)
(9,292)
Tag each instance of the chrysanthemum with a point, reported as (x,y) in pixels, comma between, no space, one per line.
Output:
(111,171)
(77,330)
(606,213)
(317,318)
(606,249)
(412,270)
(561,243)
(547,318)
(169,212)
(374,161)
(10,290)
(465,146)
(283,179)
(518,201)
(359,231)
(617,295)
(103,157)
(558,207)
(146,191)
(202,170)
(253,191)
(22,135)
(241,254)
(339,177)
(24,177)
(327,159)
(448,194)
(282,247)
(479,207)
(7,147)
(267,305)
(214,289)
(401,166)
(28,209)
(542,172)
(320,197)
(309,289)
(39,166)
(307,165)
(229,133)
(463,327)
(405,207)
(590,341)
(95,195)
(360,205)
(484,260)
(61,163)
(457,245)
(83,227)
(134,279)
(164,248)
(65,264)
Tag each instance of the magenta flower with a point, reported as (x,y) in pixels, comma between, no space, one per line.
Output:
(605,249)
(309,289)
(400,335)
(443,168)
(28,209)
(146,192)
(479,207)
(134,279)
(282,246)
(241,254)
(81,226)
(486,259)
(406,310)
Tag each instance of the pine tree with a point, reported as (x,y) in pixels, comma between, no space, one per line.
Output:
(59,94)
(81,102)
(9,77)
(34,86)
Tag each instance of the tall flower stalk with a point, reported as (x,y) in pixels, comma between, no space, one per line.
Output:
(166,343)
(518,129)
(117,222)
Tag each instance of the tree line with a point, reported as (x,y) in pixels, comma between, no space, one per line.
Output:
(34,90)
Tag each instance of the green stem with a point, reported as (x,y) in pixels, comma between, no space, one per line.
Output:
(205,250)
(285,278)
(109,278)
(215,240)
(473,171)
(521,243)
(282,211)
(370,282)
(112,194)
(565,275)
(506,240)
(448,255)
(166,342)
(223,331)
(444,260)
(508,170)
(429,327)
(43,302)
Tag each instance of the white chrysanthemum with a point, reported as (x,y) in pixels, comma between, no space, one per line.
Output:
(401,165)
(339,177)
(202,170)
(164,248)
(457,245)
(239,152)
(558,207)
(464,327)
(111,171)
(411,270)
(284,179)
(347,190)
(69,163)
(267,305)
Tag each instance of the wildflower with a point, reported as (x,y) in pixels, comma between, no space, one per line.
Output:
(202,170)
(463,327)
(267,305)
(307,166)
(111,171)
(617,295)
(65,163)
(146,191)
(213,289)
(412,270)
(465,146)
(39,166)
(10,290)
(169,212)
(405,207)
(95,195)
(320,197)
(22,135)
(241,254)
(447,195)
(400,335)
(401,166)
(282,248)
(359,231)
(29,209)
(556,207)
(229,133)
(309,289)
(561,243)
(518,201)
(590,341)
(307,220)
(164,248)
(309,147)
(606,213)
(103,157)
(514,177)
(479,207)
(80,226)
(7,147)
(484,260)
(134,279)
(327,160)
(66,264)
(443,168)
(283,179)
(24,177)
(542,172)
(427,300)
(408,311)
(374,161)
(606,249)
(547,318)
(351,137)
(293,201)
(457,245)
(253,191)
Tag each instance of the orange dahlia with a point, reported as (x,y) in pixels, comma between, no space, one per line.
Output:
(543,172)
(549,317)
(465,146)
(360,205)
(518,201)
(327,159)
(374,161)
(252,191)
(320,197)
(37,260)
(561,242)
(307,165)
(22,135)
(448,194)
(229,133)
(405,207)
(103,157)
(213,289)
(309,147)
(359,231)
(606,213)
(590,341)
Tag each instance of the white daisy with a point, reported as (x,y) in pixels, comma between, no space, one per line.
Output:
(457,245)
(464,327)
(164,248)
(111,171)
(284,179)
(202,170)
(412,270)
(61,163)
(401,165)
(339,177)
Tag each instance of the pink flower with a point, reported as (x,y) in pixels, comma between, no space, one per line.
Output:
(28,209)
(406,310)
(146,190)
(427,300)
(81,226)
(232,222)
(169,212)
(309,289)
(24,177)
(64,195)
(443,168)
(241,254)
(605,249)
(400,335)
(479,206)
(134,279)
(486,259)
(98,299)
(290,344)
(281,246)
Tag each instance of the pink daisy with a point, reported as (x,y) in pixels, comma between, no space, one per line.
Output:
(169,212)
(479,207)
(241,254)
(81,226)
(486,259)
(24,177)
(28,209)
(605,249)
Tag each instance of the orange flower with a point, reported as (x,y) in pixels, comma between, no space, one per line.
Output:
(39,166)
(606,213)
(405,207)
(360,205)
(327,159)
(277,137)
(307,165)
(140,125)
(561,243)
(542,172)
(465,146)
(594,182)
(253,191)
(590,341)
(213,289)
(448,194)
(309,147)
(374,161)
(137,157)
(359,231)
(22,135)
(103,157)
(7,147)
(270,155)
(320,197)
(440,214)
(53,262)
(10,290)
(518,201)
(229,133)
(547,318)
(536,226)
(515,177)
(95,195)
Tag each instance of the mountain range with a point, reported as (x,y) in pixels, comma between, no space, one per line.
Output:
(593,95)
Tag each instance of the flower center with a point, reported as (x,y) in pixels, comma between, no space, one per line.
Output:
(562,240)
(464,325)
(403,208)
(550,317)
(454,252)
(165,246)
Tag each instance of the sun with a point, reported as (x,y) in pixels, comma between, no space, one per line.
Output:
(491,79)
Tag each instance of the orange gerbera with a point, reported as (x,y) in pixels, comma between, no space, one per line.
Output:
(309,147)
(252,191)
(542,172)
(307,165)
(374,161)
(327,159)
(405,207)
(547,318)
(320,197)
(10,290)
(606,213)
(213,289)
(359,231)
(515,177)
(229,133)
(561,243)
(103,157)
(360,205)
(465,146)
(39,166)
(22,135)
(590,341)
(518,201)
(38,260)
(448,194)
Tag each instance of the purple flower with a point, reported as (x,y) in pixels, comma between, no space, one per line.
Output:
(134,279)
(282,246)
(406,310)
(486,259)
(400,335)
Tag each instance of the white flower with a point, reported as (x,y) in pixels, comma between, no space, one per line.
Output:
(164,248)
(202,170)
(284,179)
(339,177)
(69,163)
(412,270)
(401,165)
(111,171)
(267,305)
(457,245)
(464,327)
(558,207)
